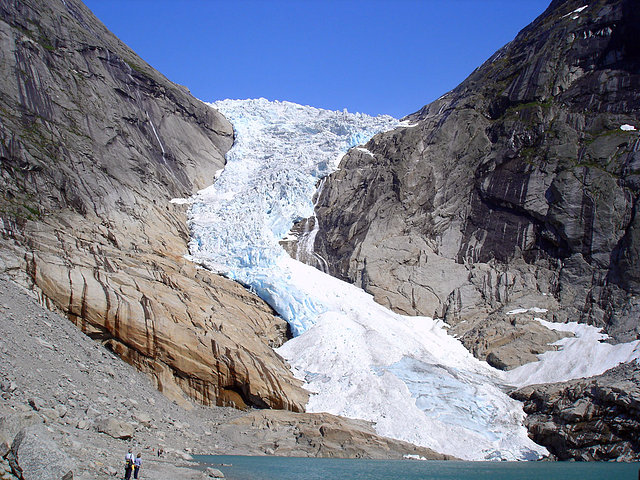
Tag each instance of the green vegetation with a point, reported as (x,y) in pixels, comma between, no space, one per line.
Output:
(40,37)
(134,66)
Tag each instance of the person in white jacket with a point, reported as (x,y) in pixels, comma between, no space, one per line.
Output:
(128,464)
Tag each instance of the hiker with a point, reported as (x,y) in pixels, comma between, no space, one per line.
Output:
(137,465)
(128,464)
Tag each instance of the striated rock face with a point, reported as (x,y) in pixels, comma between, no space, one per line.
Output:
(94,144)
(588,419)
(517,188)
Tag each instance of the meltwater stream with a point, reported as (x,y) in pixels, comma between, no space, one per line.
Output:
(359,360)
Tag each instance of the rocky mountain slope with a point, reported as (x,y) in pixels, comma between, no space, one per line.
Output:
(94,144)
(519,188)
(68,403)
(597,418)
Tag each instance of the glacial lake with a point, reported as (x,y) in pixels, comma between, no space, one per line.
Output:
(290,468)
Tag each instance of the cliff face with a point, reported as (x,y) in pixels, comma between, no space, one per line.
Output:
(94,144)
(517,188)
(588,419)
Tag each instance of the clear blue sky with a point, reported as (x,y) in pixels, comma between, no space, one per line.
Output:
(371,56)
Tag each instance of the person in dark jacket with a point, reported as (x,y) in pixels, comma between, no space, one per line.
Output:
(128,464)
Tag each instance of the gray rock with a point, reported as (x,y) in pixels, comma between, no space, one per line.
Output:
(115,428)
(36,403)
(142,418)
(11,424)
(212,473)
(4,448)
(49,414)
(37,457)
(82,425)
(587,419)
(515,184)
(61,410)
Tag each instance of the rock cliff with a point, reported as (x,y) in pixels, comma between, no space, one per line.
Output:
(518,188)
(94,144)
(588,419)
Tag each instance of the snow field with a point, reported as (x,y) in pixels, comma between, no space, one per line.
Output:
(584,355)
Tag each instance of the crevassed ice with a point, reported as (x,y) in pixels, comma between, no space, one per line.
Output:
(281,150)
(360,360)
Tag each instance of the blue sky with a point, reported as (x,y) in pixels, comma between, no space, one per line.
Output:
(373,56)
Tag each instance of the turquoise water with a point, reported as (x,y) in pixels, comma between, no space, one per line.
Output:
(288,468)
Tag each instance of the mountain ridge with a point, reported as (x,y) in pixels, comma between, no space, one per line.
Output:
(94,145)
(517,189)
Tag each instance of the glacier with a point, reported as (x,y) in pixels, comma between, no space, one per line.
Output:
(407,375)
(281,150)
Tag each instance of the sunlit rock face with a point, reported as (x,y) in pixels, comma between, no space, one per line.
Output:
(94,145)
(517,188)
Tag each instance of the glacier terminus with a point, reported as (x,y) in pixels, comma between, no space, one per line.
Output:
(358,359)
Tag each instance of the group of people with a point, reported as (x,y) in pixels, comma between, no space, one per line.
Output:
(132,464)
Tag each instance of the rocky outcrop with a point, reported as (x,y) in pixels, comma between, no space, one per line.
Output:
(47,365)
(94,144)
(519,188)
(509,341)
(588,419)
(35,456)
(323,435)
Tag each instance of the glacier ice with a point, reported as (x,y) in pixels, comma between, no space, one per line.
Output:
(280,152)
(405,374)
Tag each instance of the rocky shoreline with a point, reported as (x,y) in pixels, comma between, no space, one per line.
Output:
(67,403)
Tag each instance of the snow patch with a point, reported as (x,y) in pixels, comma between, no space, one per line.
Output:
(584,355)
(518,311)
(414,457)
(627,128)
(577,10)
(365,150)
(181,201)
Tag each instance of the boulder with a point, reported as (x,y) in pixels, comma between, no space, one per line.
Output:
(11,424)
(115,428)
(142,418)
(212,473)
(37,457)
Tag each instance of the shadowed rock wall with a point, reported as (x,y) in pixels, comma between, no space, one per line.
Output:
(517,188)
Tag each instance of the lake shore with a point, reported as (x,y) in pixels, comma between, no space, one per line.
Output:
(91,407)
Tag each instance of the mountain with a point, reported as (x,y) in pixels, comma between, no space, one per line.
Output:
(517,189)
(94,144)
(509,199)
